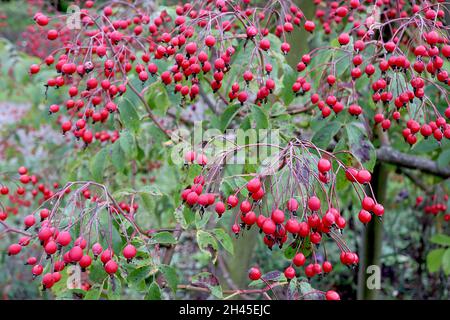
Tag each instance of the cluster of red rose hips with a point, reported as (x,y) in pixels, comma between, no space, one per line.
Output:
(255,274)
(23,192)
(54,242)
(32,40)
(335,13)
(95,64)
(401,70)
(50,234)
(434,205)
(298,211)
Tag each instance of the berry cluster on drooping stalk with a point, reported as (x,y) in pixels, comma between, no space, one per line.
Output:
(435,204)
(36,41)
(299,211)
(194,48)
(399,53)
(23,191)
(69,228)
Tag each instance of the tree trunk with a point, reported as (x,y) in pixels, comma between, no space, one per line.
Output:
(372,236)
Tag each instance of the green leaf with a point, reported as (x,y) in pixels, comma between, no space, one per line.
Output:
(228,116)
(98,164)
(139,274)
(150,190)
(94,293)
(97,272)
(306,247)
(164,237)
(207,243)
(189,215)
(441,239)
(306,289)
(180,217)
(118,157)
(424,146)
(226,187)
(325,134)
(202,219)
(260,117)
(224,239)
(289,252)
(114,289)
(360,146)
(154,292)
(246,123)
(444,159)
(157,98)
(434,259)
(129,115)
(277,109)
(292,289)
(147,203)
(446,262)
(341,180)
(289,77)
(128,144)
(170,275)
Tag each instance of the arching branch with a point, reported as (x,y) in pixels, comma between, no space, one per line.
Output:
(389,155)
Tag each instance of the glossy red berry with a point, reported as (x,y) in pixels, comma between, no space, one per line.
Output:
(368,203)
(324,165)
(76,253)
(277,216)
(97,249)
(292,205)
(85,261)
(309,26)
(269,226)
(299,259)
(254,273)
(64,238)
(254,185)
(314,203)
(232,201)
(292,226)
(220,208)
(327,267)
(129,252)
(378,210)
(37,270)
(364,216)
(48,281)
(245,206)
(289,273)
(111,267)
(363,176)
(51,247)
(344,39)
(106,256)
(210,41)
(332,295)
(29,221)
(14,249)
(34,68)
